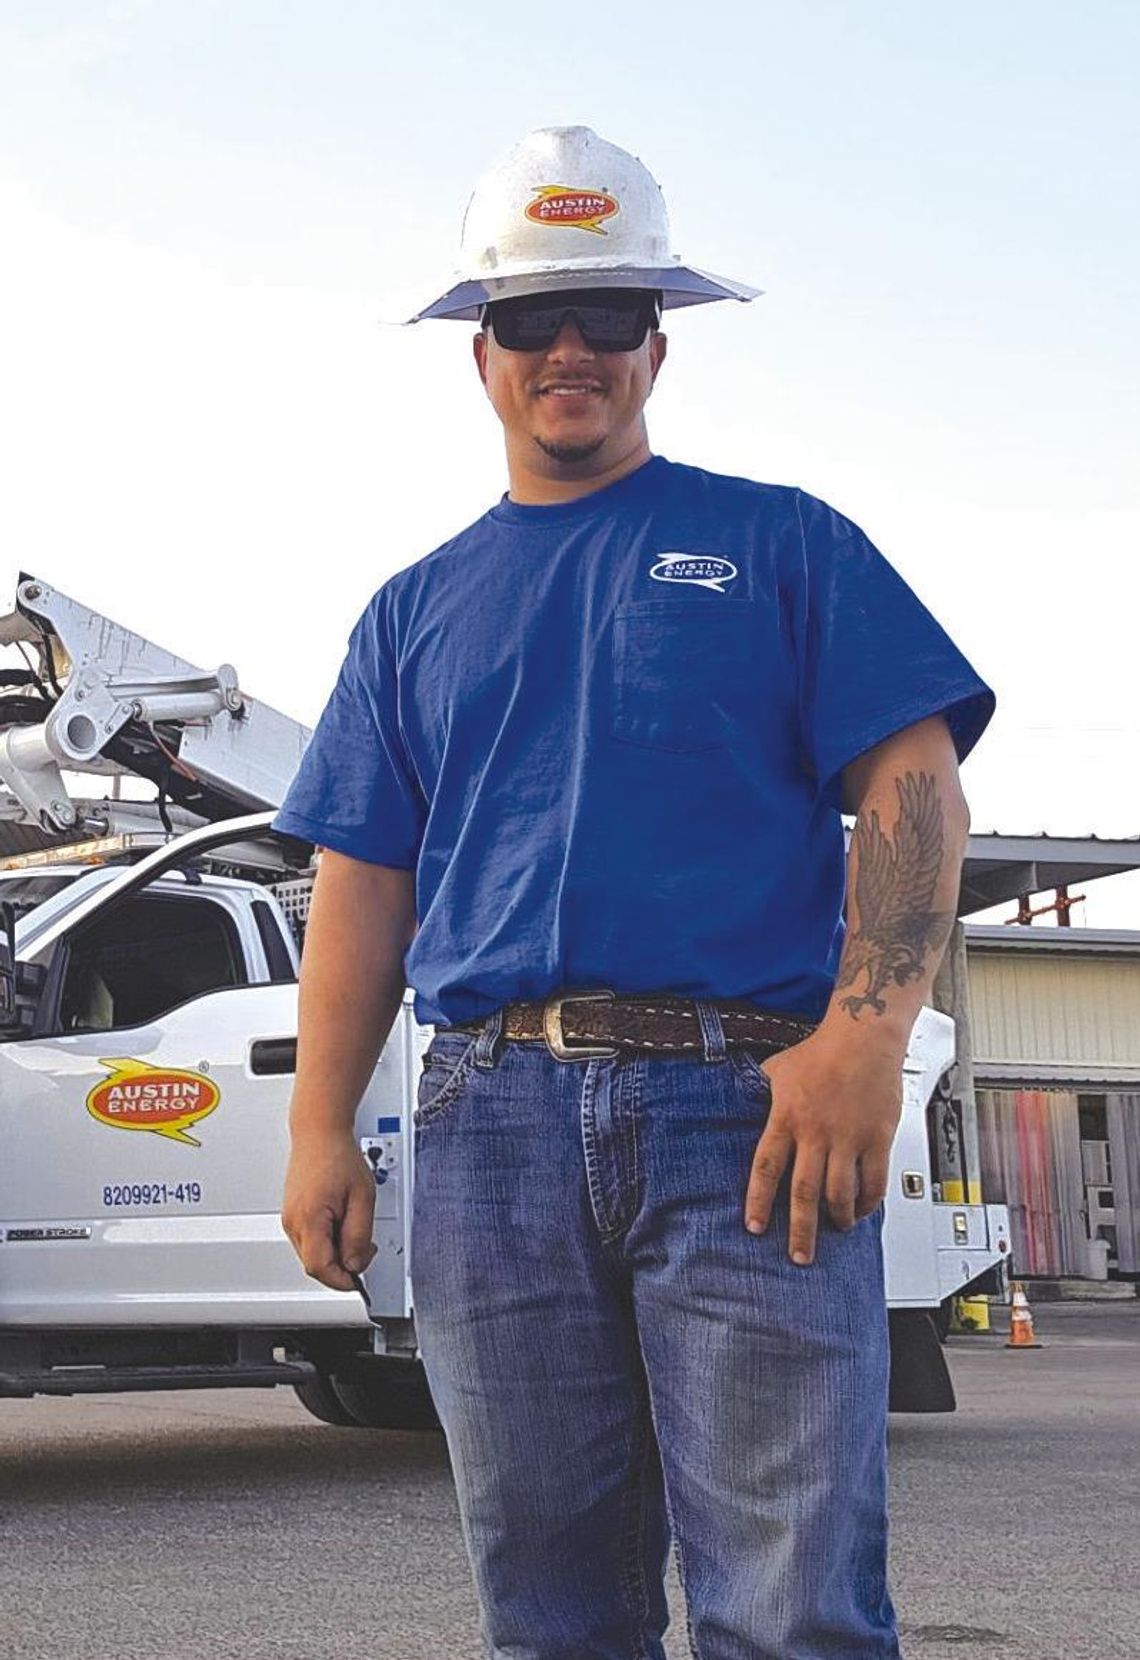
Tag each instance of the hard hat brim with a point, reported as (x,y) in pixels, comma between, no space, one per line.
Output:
(679,285)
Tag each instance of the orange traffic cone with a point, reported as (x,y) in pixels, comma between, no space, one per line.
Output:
(1021,1333)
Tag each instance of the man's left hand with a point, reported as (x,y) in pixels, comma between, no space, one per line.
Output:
(836,1100)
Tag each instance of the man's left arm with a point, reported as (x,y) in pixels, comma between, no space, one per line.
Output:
(836,1097)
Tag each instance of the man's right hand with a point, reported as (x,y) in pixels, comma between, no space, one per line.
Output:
(330,1199)
(361,921)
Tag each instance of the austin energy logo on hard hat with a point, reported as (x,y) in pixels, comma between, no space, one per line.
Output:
(561,204)
(161,1099)
(705,570)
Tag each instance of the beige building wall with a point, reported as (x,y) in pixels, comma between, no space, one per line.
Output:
(1071,1018)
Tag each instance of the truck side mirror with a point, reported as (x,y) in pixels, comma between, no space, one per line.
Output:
(9,1009)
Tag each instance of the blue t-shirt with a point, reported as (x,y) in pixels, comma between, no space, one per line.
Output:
(608,736)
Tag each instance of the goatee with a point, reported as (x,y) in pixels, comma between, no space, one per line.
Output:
(570,453)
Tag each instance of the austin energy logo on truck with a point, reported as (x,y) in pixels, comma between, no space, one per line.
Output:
(161,1099)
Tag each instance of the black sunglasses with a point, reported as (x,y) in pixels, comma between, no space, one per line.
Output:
(608,319)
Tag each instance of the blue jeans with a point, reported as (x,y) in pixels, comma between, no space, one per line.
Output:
(616,1361)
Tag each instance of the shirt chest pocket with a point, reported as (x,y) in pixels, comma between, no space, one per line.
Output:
(684,674)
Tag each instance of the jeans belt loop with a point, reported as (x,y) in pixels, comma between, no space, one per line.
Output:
(487,1041)
(712,1031)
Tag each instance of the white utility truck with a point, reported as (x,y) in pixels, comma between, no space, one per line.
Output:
(148,1017)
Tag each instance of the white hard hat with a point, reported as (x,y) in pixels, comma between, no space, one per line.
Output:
(564,209)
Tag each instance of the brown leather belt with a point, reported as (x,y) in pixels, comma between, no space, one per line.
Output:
(589,1024)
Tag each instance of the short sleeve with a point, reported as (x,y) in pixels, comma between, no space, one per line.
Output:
(873,660)
(355,790)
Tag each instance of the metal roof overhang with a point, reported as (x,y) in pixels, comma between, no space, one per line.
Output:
(999,868)
(1052,942)
(1071,1078)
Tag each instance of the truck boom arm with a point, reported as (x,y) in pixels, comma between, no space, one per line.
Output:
(104,700)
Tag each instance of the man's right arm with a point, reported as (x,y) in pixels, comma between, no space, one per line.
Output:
(361,921)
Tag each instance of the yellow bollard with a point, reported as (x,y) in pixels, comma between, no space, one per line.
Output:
(970,1314)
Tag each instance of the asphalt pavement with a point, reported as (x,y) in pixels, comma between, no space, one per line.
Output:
(229,1524)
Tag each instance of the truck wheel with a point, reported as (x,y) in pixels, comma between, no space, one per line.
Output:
(320,1398)
(393,1394)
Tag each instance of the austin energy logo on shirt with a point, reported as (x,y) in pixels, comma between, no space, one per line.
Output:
(703,569)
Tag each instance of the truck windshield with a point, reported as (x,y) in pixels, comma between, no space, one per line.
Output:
(24,893)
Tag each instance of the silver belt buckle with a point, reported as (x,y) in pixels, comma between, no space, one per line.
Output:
(552,1026)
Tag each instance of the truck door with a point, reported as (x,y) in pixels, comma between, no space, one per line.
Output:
(144,1125)
(910,1258)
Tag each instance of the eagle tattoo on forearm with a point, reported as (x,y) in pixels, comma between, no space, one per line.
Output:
(895,880)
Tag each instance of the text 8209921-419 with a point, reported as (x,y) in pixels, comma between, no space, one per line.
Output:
(132,1194)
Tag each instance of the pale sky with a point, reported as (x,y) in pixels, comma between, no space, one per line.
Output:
(206,207)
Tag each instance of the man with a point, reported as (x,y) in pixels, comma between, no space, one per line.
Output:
(599,744)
